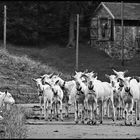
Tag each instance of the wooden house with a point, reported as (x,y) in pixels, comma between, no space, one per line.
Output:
(105,29)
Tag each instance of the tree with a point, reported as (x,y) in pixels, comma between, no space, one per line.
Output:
(70,9)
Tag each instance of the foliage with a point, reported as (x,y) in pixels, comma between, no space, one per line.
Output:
(17,73)
(34,22)
(13,124)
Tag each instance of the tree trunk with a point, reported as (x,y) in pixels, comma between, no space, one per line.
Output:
(71,42)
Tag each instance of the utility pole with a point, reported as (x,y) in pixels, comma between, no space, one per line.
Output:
(4,32)
(122,40)
(77,42)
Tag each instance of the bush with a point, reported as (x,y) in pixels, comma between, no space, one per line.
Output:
(13,124)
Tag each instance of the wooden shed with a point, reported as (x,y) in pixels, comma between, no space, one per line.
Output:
(105,29)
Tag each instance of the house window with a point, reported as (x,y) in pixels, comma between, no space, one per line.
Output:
(102,29)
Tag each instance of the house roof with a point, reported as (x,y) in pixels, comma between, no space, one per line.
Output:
(131,10)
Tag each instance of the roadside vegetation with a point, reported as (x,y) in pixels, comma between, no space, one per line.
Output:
(13,124)
(19,64)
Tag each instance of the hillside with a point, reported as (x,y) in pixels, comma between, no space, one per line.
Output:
(89,58)
(16,75)
(19,64)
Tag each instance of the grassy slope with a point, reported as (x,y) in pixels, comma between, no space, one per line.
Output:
(54,58)
(89,58)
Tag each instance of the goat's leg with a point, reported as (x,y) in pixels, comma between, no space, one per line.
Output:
(108,110)
(51,108)
(82,113)
(61,113)
(76,111)
(66,110)
(95,113)
(126,115)
(101,121)
(46,110)
(131,112)
(90,114)
(117,112)
(138,110)
(113,109)
(41,105)
(56,111)
(85,110)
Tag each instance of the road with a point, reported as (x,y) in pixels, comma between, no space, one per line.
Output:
(39,128)
(68,129)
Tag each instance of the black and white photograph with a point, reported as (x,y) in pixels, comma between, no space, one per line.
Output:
(69,69)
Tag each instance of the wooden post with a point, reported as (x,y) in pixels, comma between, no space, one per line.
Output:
(77,42)
(122,40)
(4,32)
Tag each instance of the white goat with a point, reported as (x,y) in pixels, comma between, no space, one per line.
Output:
(6,98)
(61,83)
(57,97)
(131,95)
(118,100)
(103,91)
(38,82)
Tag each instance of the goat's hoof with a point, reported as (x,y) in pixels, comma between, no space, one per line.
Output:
(94,122)
(101,122)
(82,122)
(76,122)
(56,119)
(62,120)
(125,123)
(88,122)
(85,119)
(131,123)
(46,119)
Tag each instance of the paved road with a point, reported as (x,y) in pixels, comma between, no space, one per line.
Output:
(68,129)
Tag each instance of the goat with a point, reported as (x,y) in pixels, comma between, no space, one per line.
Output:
(103,91)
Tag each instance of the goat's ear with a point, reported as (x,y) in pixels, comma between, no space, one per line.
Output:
(76,72)
(95,78)
(115,71)
(95,74)
(85,71)
(57,82)
(92,72)
(60,74)
(85,76)
(34,79)
(106,75)
(6,92)
(137,78)
(51,75)
(126,71)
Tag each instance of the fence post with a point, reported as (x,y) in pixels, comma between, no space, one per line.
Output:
(122,40)
(4,32)
(77,42)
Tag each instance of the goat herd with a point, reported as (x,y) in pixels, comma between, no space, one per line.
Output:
(119,97)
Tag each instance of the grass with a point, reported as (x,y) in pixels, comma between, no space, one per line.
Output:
(13,124)
(89,58)
(19,64)
(16,76)
(24,63)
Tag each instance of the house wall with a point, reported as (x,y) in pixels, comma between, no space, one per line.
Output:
(113,48)
(102,13)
